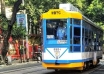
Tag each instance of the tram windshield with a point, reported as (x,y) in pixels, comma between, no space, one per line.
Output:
(56,29)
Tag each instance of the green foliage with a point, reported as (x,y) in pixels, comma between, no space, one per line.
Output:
(35,8)
(93,9)
(3,22)
(10,2)
(95,12)
(18,32)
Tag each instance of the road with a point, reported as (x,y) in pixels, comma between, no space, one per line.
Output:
(38,69)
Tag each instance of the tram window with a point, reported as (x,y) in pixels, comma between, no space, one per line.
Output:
(77,21)
(90,34)
(95,36)
(71,34)
(86,41)
(76,31)
(70,20)
(76,40)
(52,28)
(83,41)
(83,32)
(86,33)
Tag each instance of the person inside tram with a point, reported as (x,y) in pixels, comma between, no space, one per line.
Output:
(61,31)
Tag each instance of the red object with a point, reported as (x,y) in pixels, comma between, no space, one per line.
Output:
(36,48)
(0,31)
(10,39)
(30,51)
(17,48)
(17,55)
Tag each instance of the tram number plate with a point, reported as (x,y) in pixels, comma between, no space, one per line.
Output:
(61,41)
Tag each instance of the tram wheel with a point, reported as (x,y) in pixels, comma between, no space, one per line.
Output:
(84,67)
(98,61)
(87,65)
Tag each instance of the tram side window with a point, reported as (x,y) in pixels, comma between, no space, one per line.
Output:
(90,34)
(76,40)
(83,31)
(100,42)
(70,20)
(77,22)
(86,33)
(83,36)
(95,42)
(76,35)
(86,36)
(71,34)
(76,31)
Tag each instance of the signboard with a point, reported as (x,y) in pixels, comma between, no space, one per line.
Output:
(56,12)
(21,19)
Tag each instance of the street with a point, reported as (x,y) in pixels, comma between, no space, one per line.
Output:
(36,68)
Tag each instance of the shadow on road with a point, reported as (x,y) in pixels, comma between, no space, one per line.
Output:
(65,72)
(74,71)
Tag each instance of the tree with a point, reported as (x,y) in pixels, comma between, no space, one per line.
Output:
(19,32)
(95,12)
(3,7)
(10,26)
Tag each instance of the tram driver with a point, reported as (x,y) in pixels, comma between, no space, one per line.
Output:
(61,31)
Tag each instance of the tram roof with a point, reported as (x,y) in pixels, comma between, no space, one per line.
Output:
(60,14)
(91,22)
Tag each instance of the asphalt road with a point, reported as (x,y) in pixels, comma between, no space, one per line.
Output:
(36,68)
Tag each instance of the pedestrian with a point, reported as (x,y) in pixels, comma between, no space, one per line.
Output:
(17,47)
(21,52)
(39,54)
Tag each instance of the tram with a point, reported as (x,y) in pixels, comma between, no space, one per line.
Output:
(77,46)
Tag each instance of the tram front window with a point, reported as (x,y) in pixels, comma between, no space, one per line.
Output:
(56,29)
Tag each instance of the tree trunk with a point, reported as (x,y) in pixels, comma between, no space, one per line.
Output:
(3,7)
(10,25)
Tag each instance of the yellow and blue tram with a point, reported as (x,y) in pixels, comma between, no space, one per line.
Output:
(81,45)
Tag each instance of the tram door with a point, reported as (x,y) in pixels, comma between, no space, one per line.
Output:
(75,35)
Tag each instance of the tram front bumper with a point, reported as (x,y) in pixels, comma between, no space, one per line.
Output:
(62,66)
